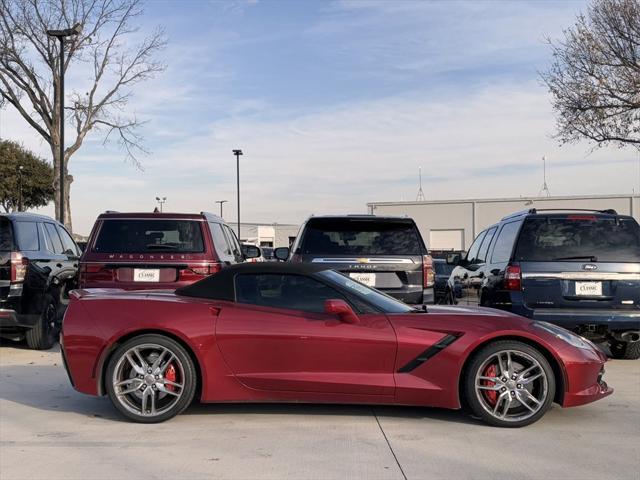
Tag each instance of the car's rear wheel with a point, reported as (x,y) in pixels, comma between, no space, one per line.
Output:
(509,384)
(43,334)
(625,350)
(150,379)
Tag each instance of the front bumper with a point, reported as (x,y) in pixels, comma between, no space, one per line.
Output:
(585,382)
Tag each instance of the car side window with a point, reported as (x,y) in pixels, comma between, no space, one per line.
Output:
(223,249)
(295,292)
(482,253)
(233,241)
(26,234)
(68,244)
(475,247)
(504,243)
(53,238)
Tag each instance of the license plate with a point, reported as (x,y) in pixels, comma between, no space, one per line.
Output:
(146,275)
(589,289)
(368,279)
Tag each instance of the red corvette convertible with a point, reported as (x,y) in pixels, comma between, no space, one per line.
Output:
(301,333)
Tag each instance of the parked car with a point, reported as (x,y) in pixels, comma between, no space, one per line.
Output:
(289,332)
(267,254)
(136,251)
(38,268)
(442,272)
(382,252)
(576,269)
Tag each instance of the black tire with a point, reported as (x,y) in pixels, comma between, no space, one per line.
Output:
(449,298)
(471,394)
(625,350)
(43,334)
(189,379)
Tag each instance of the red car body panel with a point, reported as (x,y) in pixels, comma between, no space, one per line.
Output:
(249,353)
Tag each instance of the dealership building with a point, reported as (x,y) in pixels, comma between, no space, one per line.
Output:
(267,234)
(453,224)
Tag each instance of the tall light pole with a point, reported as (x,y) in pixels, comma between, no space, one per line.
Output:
(61,35)
(237,153)
(221,202)
(161,201)
(20,168)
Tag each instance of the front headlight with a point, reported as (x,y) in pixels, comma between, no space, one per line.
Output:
(563,334)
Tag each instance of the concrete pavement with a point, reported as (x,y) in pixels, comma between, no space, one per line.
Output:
(49,431)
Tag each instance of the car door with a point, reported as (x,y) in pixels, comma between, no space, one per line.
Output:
(72,254)
(59,263)
(478,275)
(464,273)
(277,337)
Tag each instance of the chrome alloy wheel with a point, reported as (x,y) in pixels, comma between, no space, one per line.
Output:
(148,379)
(511,385)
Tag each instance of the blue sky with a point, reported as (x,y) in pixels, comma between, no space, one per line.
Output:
(337,104)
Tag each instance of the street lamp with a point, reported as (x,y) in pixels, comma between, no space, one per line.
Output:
(61,35)
(221,202)
(237,153)
(20,168)
(161,201)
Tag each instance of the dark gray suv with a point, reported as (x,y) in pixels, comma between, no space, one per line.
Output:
(38,268)
(577,269)
(386,253)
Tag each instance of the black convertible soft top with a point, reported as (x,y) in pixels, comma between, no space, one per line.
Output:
(220,286)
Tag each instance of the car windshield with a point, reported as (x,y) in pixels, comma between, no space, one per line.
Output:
(442,268)
(349,236)
(382,302)
(149,236)
(579,238)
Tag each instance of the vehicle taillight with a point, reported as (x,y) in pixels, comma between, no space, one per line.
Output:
(19,266)
(95,272)
(513,278)
(429,277)
(197,272)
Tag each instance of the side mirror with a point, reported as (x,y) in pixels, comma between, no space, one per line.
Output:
(453,259)
(281,253)
(250,251)
(342,310)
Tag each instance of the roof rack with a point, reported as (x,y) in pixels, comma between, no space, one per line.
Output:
(533,211)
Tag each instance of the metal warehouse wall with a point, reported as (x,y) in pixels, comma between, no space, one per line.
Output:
(474,215)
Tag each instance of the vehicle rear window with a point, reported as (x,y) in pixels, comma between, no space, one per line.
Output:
(148,236)
(579,238)
(361,237)
(6,235)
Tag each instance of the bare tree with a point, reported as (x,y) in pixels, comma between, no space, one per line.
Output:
(595,76)
(29,71)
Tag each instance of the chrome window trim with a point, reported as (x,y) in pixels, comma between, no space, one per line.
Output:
(583,275)
(355,260)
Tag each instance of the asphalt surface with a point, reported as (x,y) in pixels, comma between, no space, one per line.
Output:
(49,431)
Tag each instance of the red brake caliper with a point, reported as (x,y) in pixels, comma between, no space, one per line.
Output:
(492,395)
(170,374)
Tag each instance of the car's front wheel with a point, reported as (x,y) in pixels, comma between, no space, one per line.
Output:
(150,379)
(509,384)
